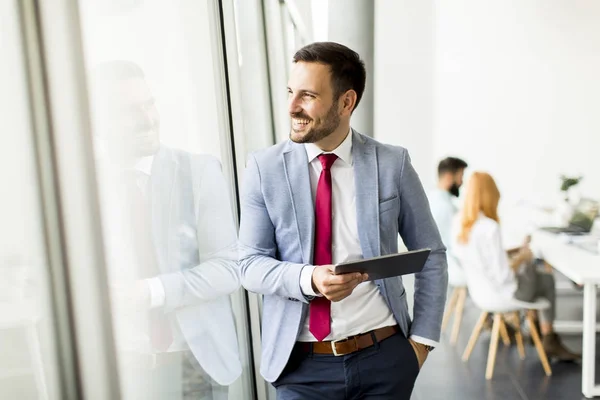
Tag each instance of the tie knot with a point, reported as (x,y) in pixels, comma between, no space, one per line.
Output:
(327,160)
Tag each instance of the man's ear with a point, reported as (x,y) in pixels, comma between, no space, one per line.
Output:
(348,101)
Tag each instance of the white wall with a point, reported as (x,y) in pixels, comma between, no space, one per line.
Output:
(516,92)
(512,87)
(403,79)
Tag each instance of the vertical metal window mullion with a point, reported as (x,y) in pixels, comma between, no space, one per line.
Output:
(81,280)
(224,57)
(53,238)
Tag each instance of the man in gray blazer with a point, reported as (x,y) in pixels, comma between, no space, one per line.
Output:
(328,195)
(184,242)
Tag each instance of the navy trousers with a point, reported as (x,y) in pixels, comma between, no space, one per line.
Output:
(385,371)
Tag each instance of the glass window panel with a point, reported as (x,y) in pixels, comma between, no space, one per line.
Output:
(168,217)
(290,37)
(28,365)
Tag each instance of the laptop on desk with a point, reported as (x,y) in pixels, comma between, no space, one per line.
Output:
(582,220)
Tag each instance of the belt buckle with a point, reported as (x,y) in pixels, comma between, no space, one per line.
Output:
(333,343)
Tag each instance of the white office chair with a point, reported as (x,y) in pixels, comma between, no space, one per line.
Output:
(499,309)
(455,306)
(458,282)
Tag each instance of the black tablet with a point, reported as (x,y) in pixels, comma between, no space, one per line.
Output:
(386,266)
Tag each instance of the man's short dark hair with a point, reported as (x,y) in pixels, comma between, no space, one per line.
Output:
(347,69)
(452,165)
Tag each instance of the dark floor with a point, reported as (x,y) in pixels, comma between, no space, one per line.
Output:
(445,376)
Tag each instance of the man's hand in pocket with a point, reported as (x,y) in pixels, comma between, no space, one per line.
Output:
(420,350)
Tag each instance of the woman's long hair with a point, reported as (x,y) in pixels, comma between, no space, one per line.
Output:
(482,196)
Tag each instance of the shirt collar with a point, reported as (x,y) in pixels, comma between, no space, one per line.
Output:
(144,165)
(343,151)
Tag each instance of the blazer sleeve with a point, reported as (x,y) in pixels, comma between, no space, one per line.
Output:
(260,270)
(418,230)
(217,272)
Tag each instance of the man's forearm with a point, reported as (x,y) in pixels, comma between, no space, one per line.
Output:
(269,276)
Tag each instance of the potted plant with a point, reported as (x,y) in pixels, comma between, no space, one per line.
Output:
(565,209)
(568,182)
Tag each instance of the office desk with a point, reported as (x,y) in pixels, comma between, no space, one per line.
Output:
(583,267)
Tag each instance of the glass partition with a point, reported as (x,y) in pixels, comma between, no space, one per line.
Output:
(163,162)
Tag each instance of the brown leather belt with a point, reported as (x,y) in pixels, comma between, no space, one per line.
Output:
(350,344)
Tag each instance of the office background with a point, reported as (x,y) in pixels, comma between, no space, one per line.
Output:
(509,86)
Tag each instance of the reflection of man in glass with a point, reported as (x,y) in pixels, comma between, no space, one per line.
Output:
(184,240)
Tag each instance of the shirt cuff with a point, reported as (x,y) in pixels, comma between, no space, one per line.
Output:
(424,341)
(157,292)
(306,281)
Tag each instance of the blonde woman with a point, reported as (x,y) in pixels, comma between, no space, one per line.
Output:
(490,272)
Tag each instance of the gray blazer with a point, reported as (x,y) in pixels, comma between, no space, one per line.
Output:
(277,233)
(194,235)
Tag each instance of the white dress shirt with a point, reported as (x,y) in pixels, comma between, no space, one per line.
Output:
(485,261)
(157,290)
(444,211)
(365,309)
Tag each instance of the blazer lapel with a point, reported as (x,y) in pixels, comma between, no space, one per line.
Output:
(367,195)
(295,162)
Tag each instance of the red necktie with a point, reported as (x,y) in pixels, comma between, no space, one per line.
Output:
(319,323)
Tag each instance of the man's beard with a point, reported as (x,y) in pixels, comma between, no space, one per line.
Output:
(330,123)
(454,190)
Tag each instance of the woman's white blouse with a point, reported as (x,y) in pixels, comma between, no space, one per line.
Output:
(485,262)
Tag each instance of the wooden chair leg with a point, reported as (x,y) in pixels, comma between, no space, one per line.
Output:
(474,336)
(450,308)
(519,336)
(504,333)
(538,345)
(458,312)
(491,361)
